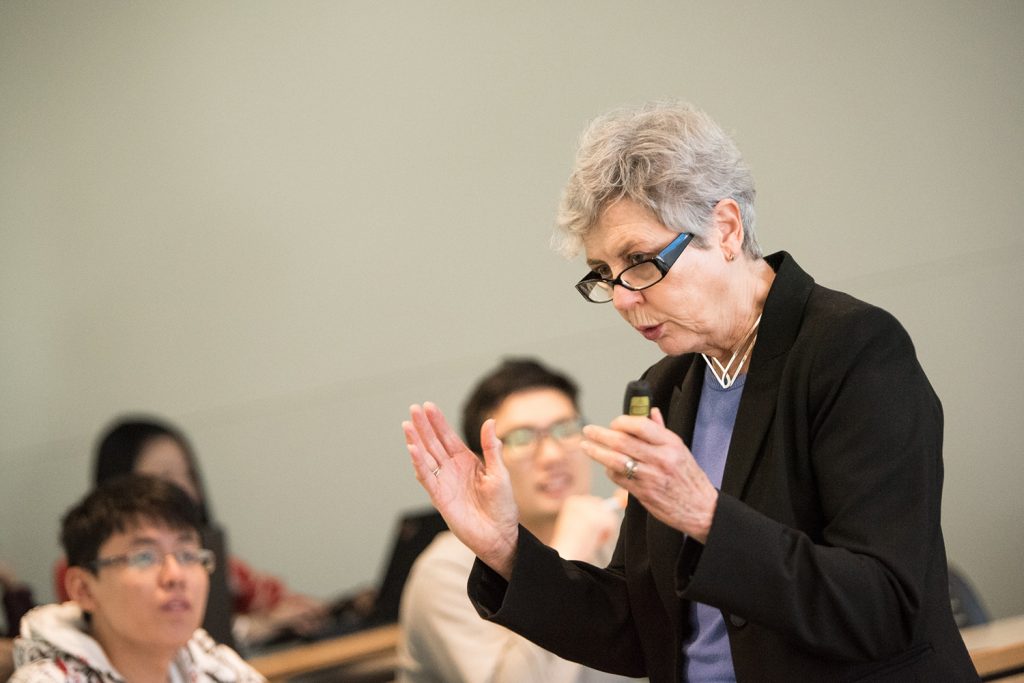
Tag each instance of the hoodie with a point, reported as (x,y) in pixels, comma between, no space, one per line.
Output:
(55,646)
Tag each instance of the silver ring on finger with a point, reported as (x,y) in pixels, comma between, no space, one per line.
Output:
(631,468)
(436,471)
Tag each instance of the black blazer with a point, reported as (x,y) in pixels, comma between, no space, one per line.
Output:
(825,554)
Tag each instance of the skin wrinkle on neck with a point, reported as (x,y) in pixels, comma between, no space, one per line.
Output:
(757,293)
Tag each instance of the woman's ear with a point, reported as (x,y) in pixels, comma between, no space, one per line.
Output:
(78,582)
(729,224)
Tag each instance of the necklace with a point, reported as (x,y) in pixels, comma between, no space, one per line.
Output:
(725,375)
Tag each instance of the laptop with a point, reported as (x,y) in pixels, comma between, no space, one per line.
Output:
(365,608)
(414,532)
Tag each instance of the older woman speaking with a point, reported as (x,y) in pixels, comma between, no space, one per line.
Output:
(783,521)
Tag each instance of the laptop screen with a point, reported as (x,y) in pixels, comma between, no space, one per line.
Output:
(415,531)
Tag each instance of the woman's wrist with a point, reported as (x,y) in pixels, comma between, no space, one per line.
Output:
(706,519)
(503,557)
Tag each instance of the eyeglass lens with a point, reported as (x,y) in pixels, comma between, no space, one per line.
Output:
(526,438)
(147,559)
(637,277)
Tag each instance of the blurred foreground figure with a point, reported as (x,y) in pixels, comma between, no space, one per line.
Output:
(444,639)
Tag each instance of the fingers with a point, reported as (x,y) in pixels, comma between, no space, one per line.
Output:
(630,437)
(427,431)
(434,435)
(658,418)
(492,446)
(632,448)
(431,443)
(613,447)
(615,476)
(645,428)
(422,462)
(445,435)
(611,458)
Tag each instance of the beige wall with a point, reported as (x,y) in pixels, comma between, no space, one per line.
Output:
(280,223)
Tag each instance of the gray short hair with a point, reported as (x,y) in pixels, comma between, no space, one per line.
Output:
(667,156)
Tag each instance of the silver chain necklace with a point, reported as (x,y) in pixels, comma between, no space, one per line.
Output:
(725,375)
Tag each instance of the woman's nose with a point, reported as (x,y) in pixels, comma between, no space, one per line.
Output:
(624,299)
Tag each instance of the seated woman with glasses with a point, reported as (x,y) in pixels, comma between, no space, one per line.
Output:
(538,421)
(138,580)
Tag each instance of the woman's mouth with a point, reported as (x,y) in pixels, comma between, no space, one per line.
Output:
(650,332)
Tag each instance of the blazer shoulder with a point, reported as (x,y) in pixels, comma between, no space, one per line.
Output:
(831,314)
(840,332)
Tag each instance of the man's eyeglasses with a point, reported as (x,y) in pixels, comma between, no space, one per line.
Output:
(523,442)
(147,559)
(641,275)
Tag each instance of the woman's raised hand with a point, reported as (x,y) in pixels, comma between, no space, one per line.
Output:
(474,496)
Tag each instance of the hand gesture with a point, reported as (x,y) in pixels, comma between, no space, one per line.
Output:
(651,462)
(584,525)
(299,614)
(474,496)
(302,614)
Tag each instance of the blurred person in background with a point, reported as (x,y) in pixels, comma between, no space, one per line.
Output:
(263,607)
(138,580)
(537,417)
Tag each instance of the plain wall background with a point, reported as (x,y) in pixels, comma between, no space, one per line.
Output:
(280,223)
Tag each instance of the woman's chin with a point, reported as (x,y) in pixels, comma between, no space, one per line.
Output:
(677,341)
(671,346)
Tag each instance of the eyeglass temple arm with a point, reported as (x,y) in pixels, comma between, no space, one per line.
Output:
(672,252)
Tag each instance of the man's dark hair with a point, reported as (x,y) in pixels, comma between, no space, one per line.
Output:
(512,376)
(117,505)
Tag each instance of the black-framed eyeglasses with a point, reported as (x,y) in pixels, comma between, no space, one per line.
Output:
(148,559)
(639,276)
(524,441)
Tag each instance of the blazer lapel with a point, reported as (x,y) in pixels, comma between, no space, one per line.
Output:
(681,417)
(783,313)
(757,408)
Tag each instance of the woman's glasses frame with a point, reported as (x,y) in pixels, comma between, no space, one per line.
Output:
(599,290)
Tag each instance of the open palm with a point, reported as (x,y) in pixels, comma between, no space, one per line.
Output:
(474,496)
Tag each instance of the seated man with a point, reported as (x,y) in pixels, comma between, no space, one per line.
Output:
(538,421)
(138,581)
